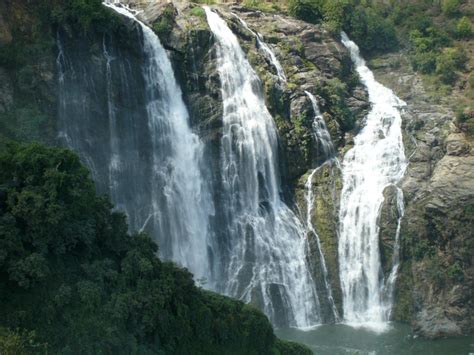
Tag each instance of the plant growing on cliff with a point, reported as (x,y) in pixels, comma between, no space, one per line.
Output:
(164,25)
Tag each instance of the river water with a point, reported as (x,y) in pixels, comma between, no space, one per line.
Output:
(398,339)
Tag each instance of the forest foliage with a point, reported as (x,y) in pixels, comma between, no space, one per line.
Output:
(72,279)
(429,30)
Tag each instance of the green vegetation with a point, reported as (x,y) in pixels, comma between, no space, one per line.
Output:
(464,28)
(434,33)
(450,7)
(198,11)
(206,2)
(16,342)
(364,24)
(165,23)
(335,92)
(73,281)
(262,5)
(84,15)
(455,272)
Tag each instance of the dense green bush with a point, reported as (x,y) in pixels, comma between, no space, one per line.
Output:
(17,342)
(335,93)
(429,54)
(307,10)
(70,272)
(450,7)
(362,23)
(370,30)
(84,15)
(380,26)
(451,60)
(464,28)
(164,25)
(455,272)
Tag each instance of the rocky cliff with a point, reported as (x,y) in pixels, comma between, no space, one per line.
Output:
(434,288)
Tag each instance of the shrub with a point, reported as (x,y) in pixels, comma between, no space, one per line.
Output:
(450,7)
(422,249)
(335,13)
(335,93)
(307,10)
(198,11)
(451,60)
(463,28)
(455,272)
(436,271)
(425,45)
(165,23)
(85,15)
(19,342)
(424,62)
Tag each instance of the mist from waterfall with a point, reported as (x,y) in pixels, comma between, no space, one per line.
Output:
(377,160)
(266,241)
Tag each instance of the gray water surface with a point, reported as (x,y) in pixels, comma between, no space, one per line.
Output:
(342,339)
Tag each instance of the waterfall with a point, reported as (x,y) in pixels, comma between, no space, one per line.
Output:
(267,51)
(266,241)
(376,161)
(144,154)
(326,149)
(115,163)
(321,137)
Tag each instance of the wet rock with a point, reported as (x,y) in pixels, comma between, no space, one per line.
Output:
(433,323)
(326,188)
(6,91)
(388,224)
(5,34)
(435,283)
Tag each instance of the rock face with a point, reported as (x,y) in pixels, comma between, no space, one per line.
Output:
(27,76)
(326,189)
(313,61)
(435,284)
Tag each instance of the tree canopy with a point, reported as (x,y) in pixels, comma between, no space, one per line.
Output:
(72,280)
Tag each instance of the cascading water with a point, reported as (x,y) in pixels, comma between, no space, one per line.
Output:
(266,241)
(325,149)
(321,137)
(376,161)
(151,163)
(266,50)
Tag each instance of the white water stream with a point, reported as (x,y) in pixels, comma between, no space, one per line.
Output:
(267,51)
(376,161)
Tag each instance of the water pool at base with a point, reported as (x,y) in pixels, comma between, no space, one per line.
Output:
(342,339)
